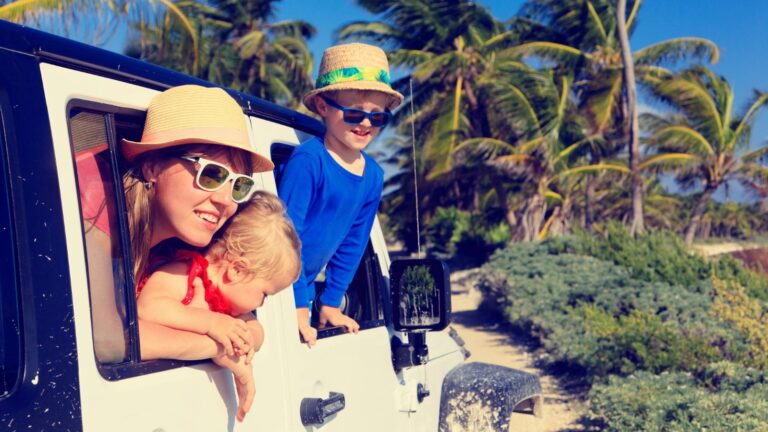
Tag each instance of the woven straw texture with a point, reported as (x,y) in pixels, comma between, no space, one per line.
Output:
(192,114)
(349,56)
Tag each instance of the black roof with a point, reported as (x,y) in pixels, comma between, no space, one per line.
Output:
(57,50)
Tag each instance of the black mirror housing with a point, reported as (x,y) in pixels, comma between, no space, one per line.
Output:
(421,294)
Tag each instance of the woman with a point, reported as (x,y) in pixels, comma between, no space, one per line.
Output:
(192,165)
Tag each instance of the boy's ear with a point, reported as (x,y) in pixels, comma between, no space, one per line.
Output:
(321,106)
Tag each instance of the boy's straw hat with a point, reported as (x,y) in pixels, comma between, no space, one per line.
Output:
(192,114)
(354,66)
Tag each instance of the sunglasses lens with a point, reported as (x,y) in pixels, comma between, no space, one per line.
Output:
(213,176)
(379,119)
(241,189)
(353,116)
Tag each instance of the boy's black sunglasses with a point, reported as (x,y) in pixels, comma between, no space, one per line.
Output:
(355,116)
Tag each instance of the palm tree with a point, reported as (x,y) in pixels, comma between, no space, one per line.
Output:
(584,35)
(95,18)
(447,48)
(241,48)
(628,66)
(704,128)
(544,152)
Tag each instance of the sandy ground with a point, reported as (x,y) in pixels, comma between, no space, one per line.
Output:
(490,342)
(720,248)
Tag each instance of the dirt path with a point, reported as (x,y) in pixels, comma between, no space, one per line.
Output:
(490,342)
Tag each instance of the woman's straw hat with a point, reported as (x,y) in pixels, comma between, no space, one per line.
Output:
(191,114)
(354,66)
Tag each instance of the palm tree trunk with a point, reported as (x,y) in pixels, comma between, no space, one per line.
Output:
(637,226)
(698,212)
(532,217)
(501,195)
(589,199)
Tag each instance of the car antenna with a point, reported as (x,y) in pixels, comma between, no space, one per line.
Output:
(415,176)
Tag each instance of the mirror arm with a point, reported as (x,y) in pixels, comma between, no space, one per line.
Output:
(413,353)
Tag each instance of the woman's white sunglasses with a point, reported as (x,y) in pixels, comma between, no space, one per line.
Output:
(212,176)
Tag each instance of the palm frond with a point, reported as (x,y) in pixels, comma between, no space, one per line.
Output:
(676,50)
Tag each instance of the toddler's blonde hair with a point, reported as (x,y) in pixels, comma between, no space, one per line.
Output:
(260,239)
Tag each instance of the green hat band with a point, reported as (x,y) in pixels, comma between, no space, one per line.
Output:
(352,74)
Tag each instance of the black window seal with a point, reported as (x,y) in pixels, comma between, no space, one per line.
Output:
(11,271)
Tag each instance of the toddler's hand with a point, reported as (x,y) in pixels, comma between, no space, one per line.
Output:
(231,332)
(308,333)
(256,334)
(334,317)
(244,384)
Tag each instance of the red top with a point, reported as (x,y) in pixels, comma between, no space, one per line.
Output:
(198,268)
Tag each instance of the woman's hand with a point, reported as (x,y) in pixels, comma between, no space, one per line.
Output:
(232,333)
(244,383)
(334,317)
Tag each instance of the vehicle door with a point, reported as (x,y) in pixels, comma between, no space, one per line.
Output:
(89,115)
(357,366)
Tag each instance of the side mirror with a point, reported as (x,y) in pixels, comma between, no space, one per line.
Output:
(421,294)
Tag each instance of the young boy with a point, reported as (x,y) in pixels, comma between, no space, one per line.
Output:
(256,256)
(331,187)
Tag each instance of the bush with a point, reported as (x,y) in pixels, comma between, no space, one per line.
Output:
(445,229)
(594,314)
(747,315)
(678,401)
(639,341)
(728,268)
(464,238)
(657,256)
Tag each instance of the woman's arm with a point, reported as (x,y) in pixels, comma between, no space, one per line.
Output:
(159,341)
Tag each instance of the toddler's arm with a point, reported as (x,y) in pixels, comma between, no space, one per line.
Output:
(160,302)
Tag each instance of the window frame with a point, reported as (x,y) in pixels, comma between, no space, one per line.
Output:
(134,366)
(369,268)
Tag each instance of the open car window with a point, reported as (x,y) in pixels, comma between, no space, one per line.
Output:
(362,301)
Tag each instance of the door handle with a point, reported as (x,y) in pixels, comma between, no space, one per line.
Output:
(316,410)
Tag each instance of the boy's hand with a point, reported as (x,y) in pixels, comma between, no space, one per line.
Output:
(308,333)
(231,332)
(334,317)
(244,384)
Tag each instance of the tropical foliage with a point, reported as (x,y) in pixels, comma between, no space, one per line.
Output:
(527,123)
(661,336)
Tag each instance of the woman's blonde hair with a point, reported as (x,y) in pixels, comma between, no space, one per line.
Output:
(139,195)
(260,239)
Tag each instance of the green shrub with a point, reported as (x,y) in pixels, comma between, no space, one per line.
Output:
(594,314)
(747,315)
(638,341)
(677,402)
(657,256)
(728,268)
(445,229)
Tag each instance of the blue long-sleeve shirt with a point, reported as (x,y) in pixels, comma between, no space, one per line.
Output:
(333,211)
